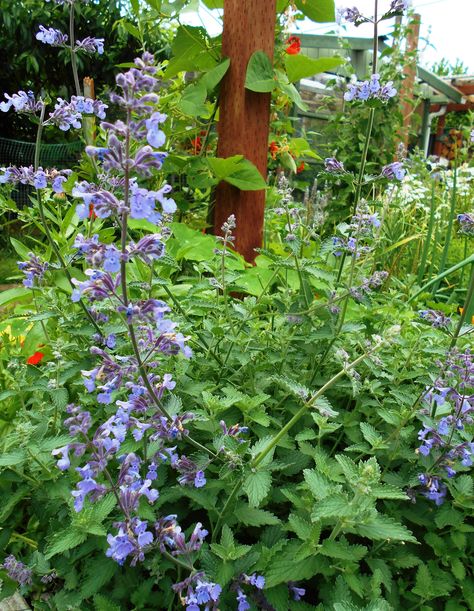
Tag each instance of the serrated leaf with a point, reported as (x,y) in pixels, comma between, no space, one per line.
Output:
(335,506)
(318,484)
(385,491)
(64,540)
(383,528)
(9,459)
(296,389)
(342,550)
(257,485)
(251,516)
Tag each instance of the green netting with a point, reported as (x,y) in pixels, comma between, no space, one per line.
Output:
(16,152)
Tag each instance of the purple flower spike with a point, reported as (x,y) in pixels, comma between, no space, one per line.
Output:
(52,37)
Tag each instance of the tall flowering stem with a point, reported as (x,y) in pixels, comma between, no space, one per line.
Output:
(72,39)
(465,311)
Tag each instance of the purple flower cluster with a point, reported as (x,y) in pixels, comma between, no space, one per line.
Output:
(51,36)
(394,171)
(351,15)
(446,439)
(33,269)
(361,228)
(370,90)
(254,580)
(333,166)
(40,179)
(17,571)
(22,102)
(65,114)
(435,318)
(399,5)
(368,285)
(69,114)
(196,591)
(466,224)
(90,45)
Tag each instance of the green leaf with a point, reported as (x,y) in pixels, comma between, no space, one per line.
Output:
(237,171)
(17,294)
(64,540)
(342,550)
(335,506)
(371,435)
(9,459)
(193,100)
(20,248)
(290,90)
(214,3)
(213,77)
(257,485)
(103,603)
(321,11)
(251,516)
(383,528)
(302,66)
(318,484)
(285,567)
(260,76)
(189,52)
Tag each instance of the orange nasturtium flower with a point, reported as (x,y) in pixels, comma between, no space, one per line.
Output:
(300,168)
(294,45)
(274,149)
(35,358)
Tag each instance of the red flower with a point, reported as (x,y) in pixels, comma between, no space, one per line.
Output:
(196,143)
(294,45)
(300,168)
(36,358)
(92,214)
(274,149)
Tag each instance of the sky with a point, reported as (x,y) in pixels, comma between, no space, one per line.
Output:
(446,27)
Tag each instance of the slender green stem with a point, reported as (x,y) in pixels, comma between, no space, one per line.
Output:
(72,39)
(230,500)
(466,310)
(44,221)
(301,412)
(449,230)
(429,233)
(178,562)
(123,281)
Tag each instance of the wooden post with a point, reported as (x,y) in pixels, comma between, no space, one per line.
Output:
(409,72)
(89,122)
(244,117)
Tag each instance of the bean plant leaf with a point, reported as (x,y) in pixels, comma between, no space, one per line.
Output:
(302,66)
(214,3)
(260,76)
(213,77)
(321,11)
(237,171)
(193,100)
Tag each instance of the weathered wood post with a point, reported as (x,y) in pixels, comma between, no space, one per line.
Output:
(244,117)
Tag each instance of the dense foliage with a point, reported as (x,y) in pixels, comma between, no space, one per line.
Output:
(180,429)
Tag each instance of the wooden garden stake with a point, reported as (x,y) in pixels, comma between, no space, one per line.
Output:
(89,122)
(244,117)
